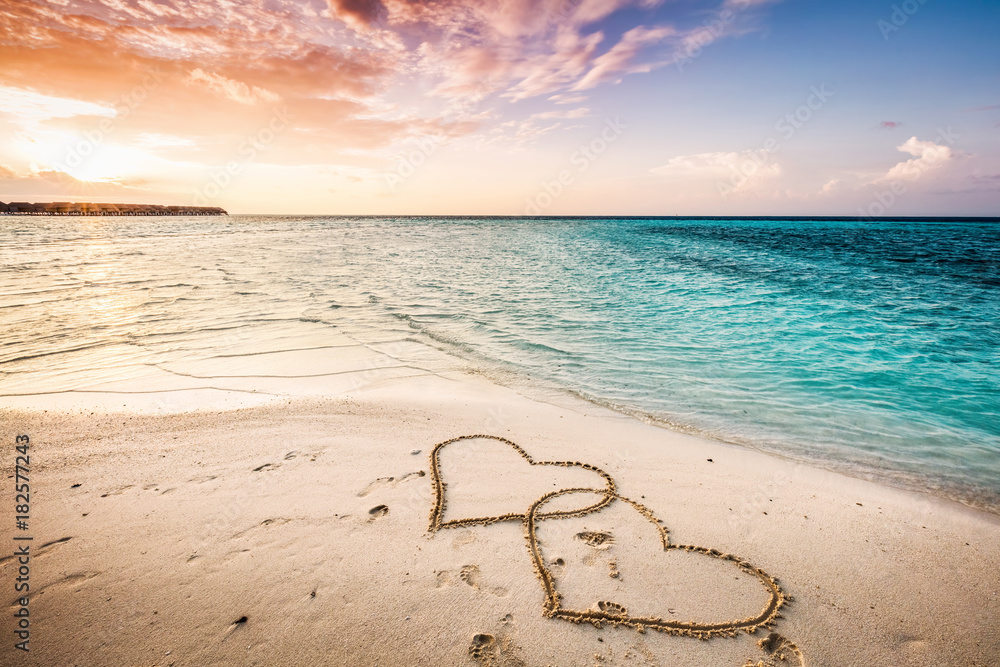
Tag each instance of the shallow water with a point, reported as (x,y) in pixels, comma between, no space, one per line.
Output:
(867,346)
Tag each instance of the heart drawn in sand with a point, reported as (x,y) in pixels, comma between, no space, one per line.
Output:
(613,613)
(605,495)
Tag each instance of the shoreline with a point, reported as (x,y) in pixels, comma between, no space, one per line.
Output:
(179,318)
(273,512)
(444,356)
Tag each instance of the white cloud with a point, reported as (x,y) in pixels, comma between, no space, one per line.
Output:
(929,156)
(616,63)
(830,187)
(28,106)
(729,173)
(719,164)
(568,99)
(231,89)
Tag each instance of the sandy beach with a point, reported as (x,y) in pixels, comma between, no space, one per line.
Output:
(313,522)
(452,333)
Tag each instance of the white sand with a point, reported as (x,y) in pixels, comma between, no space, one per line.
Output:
(184,523)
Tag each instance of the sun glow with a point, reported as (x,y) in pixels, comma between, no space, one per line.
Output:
(80,148)
(81,158)
(105,163)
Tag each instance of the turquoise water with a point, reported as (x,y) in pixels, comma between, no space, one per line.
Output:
(872,347)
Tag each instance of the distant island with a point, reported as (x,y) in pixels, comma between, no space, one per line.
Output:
(80,208)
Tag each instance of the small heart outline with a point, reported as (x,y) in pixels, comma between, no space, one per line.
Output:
(609,493)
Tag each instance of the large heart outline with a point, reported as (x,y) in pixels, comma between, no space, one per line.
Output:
(608,494)
(618,615)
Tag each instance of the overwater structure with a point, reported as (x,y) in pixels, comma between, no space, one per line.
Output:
(86,208)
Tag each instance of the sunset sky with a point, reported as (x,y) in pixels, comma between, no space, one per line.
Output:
(562,107)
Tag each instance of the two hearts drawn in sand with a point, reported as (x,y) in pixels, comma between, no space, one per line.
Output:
(608,613)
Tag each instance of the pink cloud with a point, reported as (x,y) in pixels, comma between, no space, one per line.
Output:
(346,70)
(581,112)
(359,14)
(506,18)
(557,70)
(524,47)
(889,125)
(737,5)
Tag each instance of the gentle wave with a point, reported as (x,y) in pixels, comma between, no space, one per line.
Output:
(868,347)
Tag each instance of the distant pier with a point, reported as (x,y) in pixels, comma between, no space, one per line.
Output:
(76,208)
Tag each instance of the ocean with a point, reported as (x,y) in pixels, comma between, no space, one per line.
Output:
(869,347)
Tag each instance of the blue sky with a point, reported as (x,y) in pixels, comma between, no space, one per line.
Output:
(558,107)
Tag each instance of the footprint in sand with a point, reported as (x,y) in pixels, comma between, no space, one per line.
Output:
(484,648)
(377,512)
(597,540)
(388,481)
(778,650)
(470,575)
(611,608)
(498,650)
(266,467)
(465,537)
(378,483)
